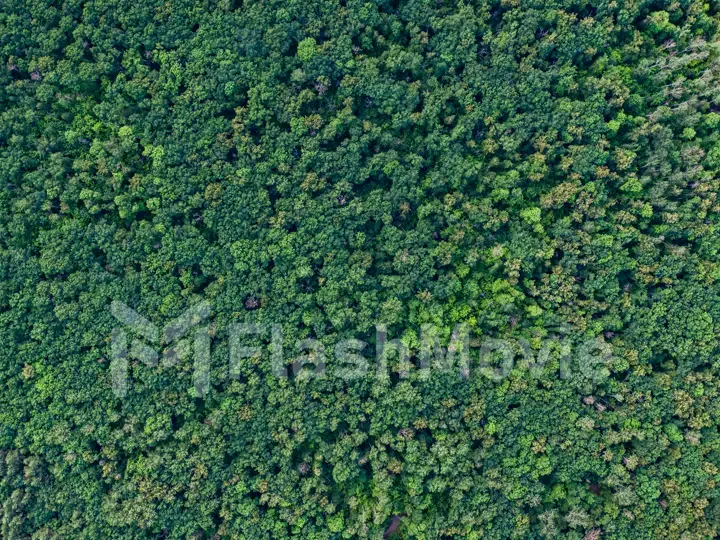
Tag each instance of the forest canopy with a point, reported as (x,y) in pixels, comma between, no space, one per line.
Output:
(539,172)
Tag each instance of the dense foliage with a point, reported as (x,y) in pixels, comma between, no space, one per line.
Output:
(540,169)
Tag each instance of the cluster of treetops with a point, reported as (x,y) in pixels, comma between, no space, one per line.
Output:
(535,169)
